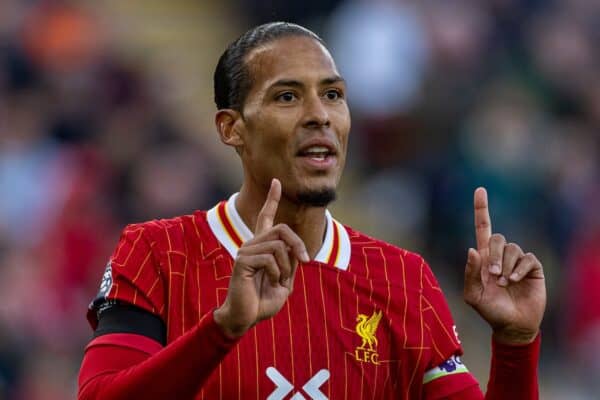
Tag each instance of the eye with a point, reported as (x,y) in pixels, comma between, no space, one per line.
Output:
(333,94)
(286,97)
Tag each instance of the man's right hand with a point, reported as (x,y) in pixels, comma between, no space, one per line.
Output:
(263,272)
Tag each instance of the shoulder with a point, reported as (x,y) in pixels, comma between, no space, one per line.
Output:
(154,226)
(382,259)
(169,233)
(367,245)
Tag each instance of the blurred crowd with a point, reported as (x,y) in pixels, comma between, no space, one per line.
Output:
(445,96)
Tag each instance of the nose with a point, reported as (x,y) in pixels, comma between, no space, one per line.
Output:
(316,114)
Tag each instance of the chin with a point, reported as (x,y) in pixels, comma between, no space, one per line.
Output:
(320,197)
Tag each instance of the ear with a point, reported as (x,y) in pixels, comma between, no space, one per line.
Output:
(229,124)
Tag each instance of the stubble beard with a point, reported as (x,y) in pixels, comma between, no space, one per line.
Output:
(316,198)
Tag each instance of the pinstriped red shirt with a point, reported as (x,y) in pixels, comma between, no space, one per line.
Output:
(366,320)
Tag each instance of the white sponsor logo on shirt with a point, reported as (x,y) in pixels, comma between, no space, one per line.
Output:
(284,387)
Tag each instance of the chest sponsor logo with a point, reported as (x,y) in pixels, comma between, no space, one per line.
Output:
(366,328)
(283,387)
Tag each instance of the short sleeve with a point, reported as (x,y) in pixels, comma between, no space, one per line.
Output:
(132,276)
(440,325)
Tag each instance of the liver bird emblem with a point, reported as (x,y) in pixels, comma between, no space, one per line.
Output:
(366,328)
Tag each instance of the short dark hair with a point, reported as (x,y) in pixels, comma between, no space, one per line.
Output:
(232,80)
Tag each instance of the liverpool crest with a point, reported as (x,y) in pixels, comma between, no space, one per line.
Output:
(366,328)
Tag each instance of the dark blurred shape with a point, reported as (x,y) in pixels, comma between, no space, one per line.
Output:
(262,11)
(76,119)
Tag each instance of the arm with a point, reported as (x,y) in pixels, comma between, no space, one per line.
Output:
(513,375)
(125,362)
(507,288)
(131,365)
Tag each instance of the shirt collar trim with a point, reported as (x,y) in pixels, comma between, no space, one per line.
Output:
(231,231)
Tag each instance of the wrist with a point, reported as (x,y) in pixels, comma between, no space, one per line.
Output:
(232,330)
(515,337)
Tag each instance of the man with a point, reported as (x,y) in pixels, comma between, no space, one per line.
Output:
(203,307)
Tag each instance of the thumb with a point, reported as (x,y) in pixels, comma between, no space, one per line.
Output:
(473,282)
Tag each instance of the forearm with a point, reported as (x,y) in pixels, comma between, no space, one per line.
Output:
(513,373)
(117,370)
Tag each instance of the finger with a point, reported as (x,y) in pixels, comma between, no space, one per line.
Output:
(266,216)
(496,253)
(264,262)
(285,233)
(278,249)
(512,255)
(473,283)
(290,282)
(528,266)
(483,224)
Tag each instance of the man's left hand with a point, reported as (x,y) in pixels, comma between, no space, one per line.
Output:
(502,283)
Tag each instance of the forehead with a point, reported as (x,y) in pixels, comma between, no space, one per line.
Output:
(294,57)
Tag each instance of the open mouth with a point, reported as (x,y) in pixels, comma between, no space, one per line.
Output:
(317,153)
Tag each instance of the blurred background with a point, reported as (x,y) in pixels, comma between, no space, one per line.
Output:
(106,118)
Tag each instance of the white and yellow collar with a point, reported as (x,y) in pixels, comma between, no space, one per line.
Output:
(231,231)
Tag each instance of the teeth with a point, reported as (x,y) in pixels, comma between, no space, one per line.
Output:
(317,150)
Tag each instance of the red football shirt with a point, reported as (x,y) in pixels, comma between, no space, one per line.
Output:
(366,320)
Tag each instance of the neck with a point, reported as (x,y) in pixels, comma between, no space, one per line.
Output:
(307,222)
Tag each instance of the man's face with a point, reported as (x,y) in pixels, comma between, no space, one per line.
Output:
(296,119)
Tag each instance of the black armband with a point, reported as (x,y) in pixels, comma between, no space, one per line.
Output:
(125,318)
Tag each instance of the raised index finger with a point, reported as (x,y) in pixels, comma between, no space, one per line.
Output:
(266,216)
(483,223)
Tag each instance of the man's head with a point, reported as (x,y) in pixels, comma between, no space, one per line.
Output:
(232,79)
(282,104)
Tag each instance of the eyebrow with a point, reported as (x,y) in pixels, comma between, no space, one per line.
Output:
(294,83)
(332,80)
